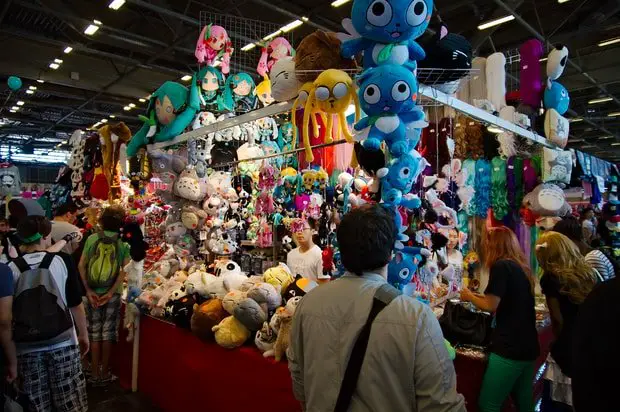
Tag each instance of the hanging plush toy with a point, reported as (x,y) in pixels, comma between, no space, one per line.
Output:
(199,152)
(388,95)
(300,103)
(277,49)
(211,83)
(263,92)
(239,93)
(113,136)
(284,83)
(398,178)
(171,109)
(318,52)
(385,30)
(267,129)
(404,265)
(332,94)
(214,44)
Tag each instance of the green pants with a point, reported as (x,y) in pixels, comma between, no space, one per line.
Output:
(504,377)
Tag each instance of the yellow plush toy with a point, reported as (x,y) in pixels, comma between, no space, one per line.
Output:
(308,178)
(112,137)
(300,101)
(263,92)
(331,93)
(279,276)
(230,333)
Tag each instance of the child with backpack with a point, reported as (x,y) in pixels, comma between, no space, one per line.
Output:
(47,303)
(101,268)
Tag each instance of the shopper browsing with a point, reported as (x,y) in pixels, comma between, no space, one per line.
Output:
(64,224)
(47,302)
(405,348)
(514,340)
(103,258)
(306,259)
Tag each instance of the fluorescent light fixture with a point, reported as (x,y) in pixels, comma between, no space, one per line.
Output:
(32,87)
(563,1)
(68,49)
(600,100)
(248,47)
(112,116)
(40,81)
(91,29)
(615,144)
(291,26)
(131,105)
(59,61)
(339,3)
(97,22)
(186,78)
(544,59)
(126,108)
(494,129)
(29,91)
(142,100)
(496,22)
(20,103)
(54,66)
(605,137)
(15,108)
(608,42)
(304,19)
(13,111)
(613,114)
(116,4)
(103,121)
(576,119)
(272,35)
(575,141)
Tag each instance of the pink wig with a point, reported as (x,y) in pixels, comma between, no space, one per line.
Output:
(266,60)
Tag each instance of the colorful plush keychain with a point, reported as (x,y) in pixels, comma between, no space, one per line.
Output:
(277,49)
(385,30)
(213,44)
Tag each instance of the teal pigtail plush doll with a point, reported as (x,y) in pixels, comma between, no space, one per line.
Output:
(239,94)
(171,109)
(211,83)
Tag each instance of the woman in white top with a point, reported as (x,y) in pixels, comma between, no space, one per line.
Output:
(306,259)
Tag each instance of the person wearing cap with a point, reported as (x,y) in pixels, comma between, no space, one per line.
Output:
(51,373)
(64,224)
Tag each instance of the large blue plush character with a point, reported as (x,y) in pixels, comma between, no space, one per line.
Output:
(556,97)
(171,109)
(397,180)
(403,266)
(388,96)
(387,30)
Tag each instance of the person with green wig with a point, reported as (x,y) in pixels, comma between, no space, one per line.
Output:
(238,93)
(211,82)
(171,109)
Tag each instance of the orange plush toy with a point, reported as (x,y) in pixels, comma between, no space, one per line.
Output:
(112,137)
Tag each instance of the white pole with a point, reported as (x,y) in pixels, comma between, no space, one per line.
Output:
(136,355)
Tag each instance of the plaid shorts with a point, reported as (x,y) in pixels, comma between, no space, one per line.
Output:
(103,321)
(53,380)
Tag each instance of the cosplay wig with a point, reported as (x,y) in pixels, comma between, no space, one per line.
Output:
(490,144)
(474,138)
(469,166)
(234,102)
(434,144)
(460,141)
(482,199)
(499,199)
(559,257)
(530,176)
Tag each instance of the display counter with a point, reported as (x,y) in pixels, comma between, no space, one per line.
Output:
(179,372)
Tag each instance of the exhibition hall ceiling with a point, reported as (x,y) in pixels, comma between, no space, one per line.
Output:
(73,79)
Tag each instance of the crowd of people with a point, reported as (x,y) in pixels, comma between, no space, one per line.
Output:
(58,320)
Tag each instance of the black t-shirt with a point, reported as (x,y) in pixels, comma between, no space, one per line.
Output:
(561,349)
(514,336)
(595,350)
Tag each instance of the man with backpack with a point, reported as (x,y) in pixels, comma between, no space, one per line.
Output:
(101,268)
(47,302)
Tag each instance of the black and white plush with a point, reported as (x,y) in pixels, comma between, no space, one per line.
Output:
(447,51)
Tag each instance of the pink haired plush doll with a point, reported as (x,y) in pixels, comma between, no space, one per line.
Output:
(277,49)
(213,44)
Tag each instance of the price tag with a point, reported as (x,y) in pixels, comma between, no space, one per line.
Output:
(203,235)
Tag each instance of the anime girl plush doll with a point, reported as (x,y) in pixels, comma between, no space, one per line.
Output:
(385,30)
(239,93)
(214,44)
(263,92)
(211,83)
(171,109)
(277,49)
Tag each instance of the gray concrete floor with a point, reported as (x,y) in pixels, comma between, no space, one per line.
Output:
(113,398)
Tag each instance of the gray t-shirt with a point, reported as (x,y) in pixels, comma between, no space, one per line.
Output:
(60,230)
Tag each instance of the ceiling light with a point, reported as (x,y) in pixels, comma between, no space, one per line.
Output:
(563,1)
(116,4)
(97,22)
(272,35)
(544,59)
(186,78)
(248,47)
(575,140)
(131,105)
(103,121)
(494,129)
(608,42)
(126,108)
(40,81)
(59,61)
(142,100)
(68,49)
(15,108)
(496,22)
(339,3)
(615,144)
(91,29)
(29,91)
(613,114)
(575,119)
(112,116)
(600,100)
(32,87)
(54,66)
(20,103)
(304,19)
(291,26)
(605,137)
(13,111)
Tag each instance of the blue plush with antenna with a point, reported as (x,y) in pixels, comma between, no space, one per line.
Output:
(403,266)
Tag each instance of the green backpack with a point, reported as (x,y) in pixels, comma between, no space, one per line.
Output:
(103,265)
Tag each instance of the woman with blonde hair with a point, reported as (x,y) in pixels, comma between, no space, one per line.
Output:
(566,282)
(514,340)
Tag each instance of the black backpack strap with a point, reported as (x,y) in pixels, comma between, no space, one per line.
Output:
(383,297)
(47,261)
(21,264)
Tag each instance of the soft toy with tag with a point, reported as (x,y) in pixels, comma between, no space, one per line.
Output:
(187,186)
(180,310)
(547,199)
(385,30)
(214,45)
(192,217)
(230,333)
(250,314)
(199,151)
(197,282)
(185,246)
(266,295)
(113,136)
(448,51)
(263,92)
(388,96)
(556,97)
(232,299)
(205,317)
(167,166)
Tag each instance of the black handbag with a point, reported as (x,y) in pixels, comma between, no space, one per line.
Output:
(464,326)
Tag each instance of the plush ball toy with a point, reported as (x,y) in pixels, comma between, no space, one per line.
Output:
(317,52)
(14,83)
(230,333)
(556,62)
(266,294)
(279,276)
(205,317)
(232,299)
(187,186)
(298,288)
(556,97)
(250,314)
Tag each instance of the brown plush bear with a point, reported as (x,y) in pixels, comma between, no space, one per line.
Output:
(205,317)
(318,52)
(112,137)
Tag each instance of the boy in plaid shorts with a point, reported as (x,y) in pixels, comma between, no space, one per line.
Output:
(101,268)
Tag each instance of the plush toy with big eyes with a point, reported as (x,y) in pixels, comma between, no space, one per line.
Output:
(277,49)
(556,97)
(332,93)
(171,109)
(403,266)
(214,44)
(385,30)
(388,96)
(399,176)
(239,93)
(263,92)
(308,178)
(300,103)
(210,82)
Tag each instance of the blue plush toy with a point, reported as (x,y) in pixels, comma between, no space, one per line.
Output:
(397,180)
(388,96)
(385,30)
(403,266)
(556,97)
